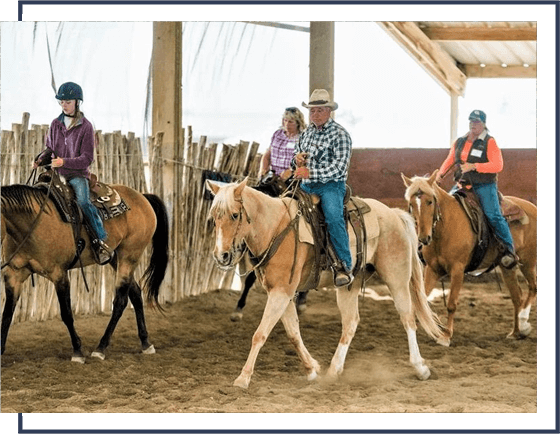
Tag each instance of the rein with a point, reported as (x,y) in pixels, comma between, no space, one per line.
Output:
(437,214)
(457,163)
(274,244)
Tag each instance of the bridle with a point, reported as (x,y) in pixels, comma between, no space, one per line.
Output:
(437,216)
(272,246)
(33,225)
(244,247)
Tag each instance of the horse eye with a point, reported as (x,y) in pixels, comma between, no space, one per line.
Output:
(430,202)
(234,216)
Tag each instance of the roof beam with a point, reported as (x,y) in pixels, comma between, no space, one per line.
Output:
(481,33)
(279,25)
(497,71)
(428,54)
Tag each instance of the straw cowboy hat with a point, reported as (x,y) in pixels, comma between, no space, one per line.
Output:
(320,98)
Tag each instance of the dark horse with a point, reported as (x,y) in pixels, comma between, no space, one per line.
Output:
(36,240)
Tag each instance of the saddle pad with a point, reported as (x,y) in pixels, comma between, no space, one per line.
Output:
(305,234)
(107,201)
(304,230)
(513,212)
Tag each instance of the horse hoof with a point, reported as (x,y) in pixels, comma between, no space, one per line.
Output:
(330,377)
(236,316)
(302,308)
(444,341)
(521,334)
(241,382)
(332,374)
(524,330)
(79,359)
(98,355)
(312,376)
(423,373)
(149,350)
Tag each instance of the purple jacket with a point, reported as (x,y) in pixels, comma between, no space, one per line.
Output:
(75,146)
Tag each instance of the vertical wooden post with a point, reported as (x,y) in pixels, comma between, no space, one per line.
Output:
(167,113)
(454,116)
(166,89)
(321,56)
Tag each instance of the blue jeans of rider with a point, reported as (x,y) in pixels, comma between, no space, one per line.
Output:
(332,202)
(81,188)
(488,197)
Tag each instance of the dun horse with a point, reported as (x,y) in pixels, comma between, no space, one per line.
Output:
(449,241)
(44,244)
(246,217)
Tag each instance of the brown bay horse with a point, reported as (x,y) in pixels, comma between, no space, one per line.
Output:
(36,240)
(245,217)
(448,242)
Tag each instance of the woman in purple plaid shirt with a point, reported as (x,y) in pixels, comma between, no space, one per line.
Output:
(281,150)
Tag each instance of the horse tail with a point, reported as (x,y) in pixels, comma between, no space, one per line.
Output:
(427,318)
(155,273)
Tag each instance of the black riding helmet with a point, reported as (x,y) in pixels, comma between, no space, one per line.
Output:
(68,91)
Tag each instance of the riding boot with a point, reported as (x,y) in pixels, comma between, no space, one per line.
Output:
(509,258)
(102,252)
(342,275)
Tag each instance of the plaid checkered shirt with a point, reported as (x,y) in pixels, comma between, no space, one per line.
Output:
(281,151)
(329,148)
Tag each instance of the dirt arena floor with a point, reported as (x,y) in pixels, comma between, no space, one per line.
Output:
(200,352)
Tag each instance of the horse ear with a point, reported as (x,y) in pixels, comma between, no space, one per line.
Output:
(407,181)
(212,187)
(433,177)
(239,189)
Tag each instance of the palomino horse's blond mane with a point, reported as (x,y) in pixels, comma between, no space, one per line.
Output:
(419,184)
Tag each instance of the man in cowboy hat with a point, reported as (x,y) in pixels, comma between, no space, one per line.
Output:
(322,157)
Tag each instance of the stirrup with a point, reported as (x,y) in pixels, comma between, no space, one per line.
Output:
(509,260)
(343,279)
(342,276)
(102,252)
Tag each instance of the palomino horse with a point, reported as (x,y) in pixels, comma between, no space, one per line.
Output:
(274,186)
(448,242)
(44,244)
(244,216)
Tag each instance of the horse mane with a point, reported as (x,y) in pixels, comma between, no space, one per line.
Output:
(419,184)
(21,199)
(223,202)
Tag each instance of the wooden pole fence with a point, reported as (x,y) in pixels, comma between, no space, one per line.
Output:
(120,160)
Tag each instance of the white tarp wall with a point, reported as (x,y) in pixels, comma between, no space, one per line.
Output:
(238,78)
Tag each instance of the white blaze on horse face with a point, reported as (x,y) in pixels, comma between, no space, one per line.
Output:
(418,203)
(425,220)
(219,239)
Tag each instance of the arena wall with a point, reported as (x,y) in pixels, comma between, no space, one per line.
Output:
(376,173)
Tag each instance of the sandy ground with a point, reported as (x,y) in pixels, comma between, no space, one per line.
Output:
(200,352)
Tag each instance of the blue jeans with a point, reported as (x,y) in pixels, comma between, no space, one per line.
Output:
(332,202)
(488,197)
(81,188)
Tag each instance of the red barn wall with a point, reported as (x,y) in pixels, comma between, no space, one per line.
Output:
(376,173)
